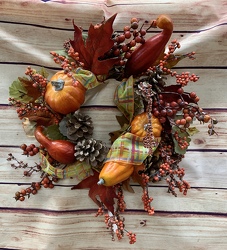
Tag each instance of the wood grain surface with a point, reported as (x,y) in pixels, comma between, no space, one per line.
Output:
(64,219)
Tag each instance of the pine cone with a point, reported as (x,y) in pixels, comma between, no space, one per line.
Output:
(77,127)
(92,151)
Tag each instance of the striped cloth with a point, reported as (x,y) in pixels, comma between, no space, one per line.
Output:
(128,148)
(124,98)
(80,170)
(87,78)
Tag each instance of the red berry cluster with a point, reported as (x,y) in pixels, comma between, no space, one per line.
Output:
(46,182)
(33,189)
(29,150)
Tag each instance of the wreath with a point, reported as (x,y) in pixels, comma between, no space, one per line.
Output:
(155,125)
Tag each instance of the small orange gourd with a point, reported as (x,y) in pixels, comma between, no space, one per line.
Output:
(138,125)
(113,173)
(64,94)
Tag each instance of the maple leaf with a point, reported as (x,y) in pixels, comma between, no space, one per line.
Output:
(106,194)
(98,42)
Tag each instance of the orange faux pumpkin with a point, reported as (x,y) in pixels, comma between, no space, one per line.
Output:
(113,173)
(64,94)
(138,125)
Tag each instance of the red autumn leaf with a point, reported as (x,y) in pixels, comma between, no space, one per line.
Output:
(106,194)
(98,42)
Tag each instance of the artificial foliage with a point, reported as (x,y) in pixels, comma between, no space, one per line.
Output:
(156,121)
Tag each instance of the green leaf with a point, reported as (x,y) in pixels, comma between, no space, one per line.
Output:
(19,92)
(43,72)
(192,131)
(181,134)
(54,133)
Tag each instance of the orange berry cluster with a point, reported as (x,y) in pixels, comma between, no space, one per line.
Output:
(169,57)
(121,205)
(164,169)
(145,196)
(117,227)
(182,141)
(132,237)
(185,77)
(181,184)
(100,211)
(65,63)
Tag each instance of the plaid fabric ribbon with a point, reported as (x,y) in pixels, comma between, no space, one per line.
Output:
(80,170)
(87,78)
(124,98)
(128,148)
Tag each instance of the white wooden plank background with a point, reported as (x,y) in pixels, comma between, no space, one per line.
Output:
(64,219)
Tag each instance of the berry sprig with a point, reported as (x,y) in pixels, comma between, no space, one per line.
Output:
(145,196)
(116,224)
(68,65)
(46,182)
(29,170)
(29,150)
(121,205)
(39,81)
(37,111)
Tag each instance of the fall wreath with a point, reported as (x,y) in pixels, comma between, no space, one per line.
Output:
(155,123)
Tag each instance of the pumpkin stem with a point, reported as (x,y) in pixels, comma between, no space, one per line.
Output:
(101,182)
(58,85)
